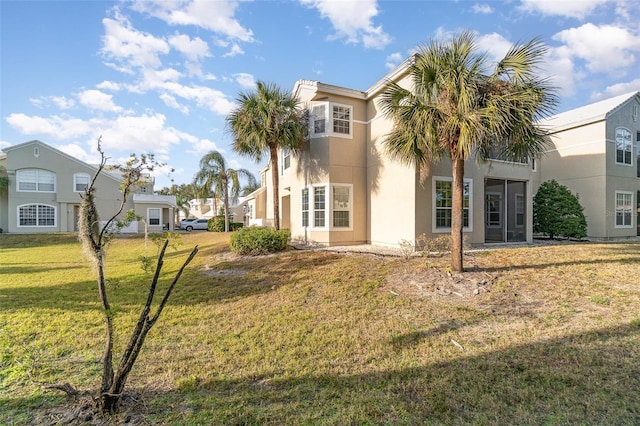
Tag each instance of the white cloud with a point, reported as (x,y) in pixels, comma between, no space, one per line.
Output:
(482,9)
(130,47)
(234,51)
(193,49)
(54,126)
(202,146)
(605,48)
(560,69)
(108,85)
(394,60)
(77,151)
(245,80)
(617,89)
(353,20)
(569,8)
(97,100)
(217,16)
(206,97)
(171,102)
(495,45)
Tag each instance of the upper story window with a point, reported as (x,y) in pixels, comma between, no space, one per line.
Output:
(36,180)
(329,119)
(286,159)
(80,181)
(623,146)
(638,155)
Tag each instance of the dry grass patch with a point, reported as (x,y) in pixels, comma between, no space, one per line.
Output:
(533,335)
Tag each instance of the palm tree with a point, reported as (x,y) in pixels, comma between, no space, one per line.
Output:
(4,180)
(459,107)
(216,176)
(266,120)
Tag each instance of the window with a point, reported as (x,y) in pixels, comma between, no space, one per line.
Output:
(623,146)
(319,119)
(520,204)
(80,182)
(638,155)
(153,216)
(319,206)
(623,209)
(341,119)
(443,204)
(36,215)
(305,207)
(335,123)
(341,206)
(36,180)
(286,159)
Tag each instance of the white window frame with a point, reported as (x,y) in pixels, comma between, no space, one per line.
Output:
(441,229)
(285,160)
(620,208)
(159,218)
(304,219)
(38,218)
(329,120)
(520,209)
(38,173)
(329,207)
(627,148)
(75,181)
(487,220)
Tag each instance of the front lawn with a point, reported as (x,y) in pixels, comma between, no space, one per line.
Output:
(530,335)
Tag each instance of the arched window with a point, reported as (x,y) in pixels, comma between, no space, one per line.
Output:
(80,181)
(40,215)
(35,180)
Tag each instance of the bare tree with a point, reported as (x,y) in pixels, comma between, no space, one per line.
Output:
(94,238)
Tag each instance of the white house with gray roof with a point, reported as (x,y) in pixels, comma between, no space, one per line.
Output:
(596,154)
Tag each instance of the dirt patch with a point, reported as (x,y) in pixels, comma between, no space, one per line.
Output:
(435,282)
(82,410)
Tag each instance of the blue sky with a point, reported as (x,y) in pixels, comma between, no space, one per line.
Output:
(161,75)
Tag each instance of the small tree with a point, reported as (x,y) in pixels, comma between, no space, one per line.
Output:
(94,238)
(557,212)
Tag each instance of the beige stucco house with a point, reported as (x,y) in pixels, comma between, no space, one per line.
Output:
(343,189)
(44,193)
(596,154)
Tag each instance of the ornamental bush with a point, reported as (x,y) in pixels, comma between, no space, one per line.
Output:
(557,212)
(257,240)
(216,224)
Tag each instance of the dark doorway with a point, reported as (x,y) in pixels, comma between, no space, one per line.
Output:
(505,211)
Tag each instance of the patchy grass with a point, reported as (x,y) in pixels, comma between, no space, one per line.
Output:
(531,335)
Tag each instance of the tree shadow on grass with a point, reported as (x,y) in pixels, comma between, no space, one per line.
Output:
(586,378)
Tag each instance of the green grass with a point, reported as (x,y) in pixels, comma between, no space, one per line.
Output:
(307,337)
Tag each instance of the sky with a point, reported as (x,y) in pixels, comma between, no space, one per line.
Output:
(160,76)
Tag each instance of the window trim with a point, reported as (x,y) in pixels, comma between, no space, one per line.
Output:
(630,150)
(37,180)
(630,211)
(329,120)
(159,210)
(285,154)
(523,208)
(329,207)
(37,225)
(438,230)
(75,180)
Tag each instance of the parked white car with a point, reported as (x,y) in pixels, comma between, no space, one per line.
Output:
(196,224)
(185,222)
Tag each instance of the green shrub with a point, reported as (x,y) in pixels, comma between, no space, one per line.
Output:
(257,240)
(557,212)
(216,224)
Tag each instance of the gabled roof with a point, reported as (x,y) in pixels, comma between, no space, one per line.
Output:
(155,199)
(588,114)
(57,151)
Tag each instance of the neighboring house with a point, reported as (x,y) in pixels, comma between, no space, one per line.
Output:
(596,154)
(202,208)
(45,187)
(344,189)
(257,207)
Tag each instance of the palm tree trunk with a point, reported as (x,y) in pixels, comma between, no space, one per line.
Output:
(225,189)
(457,214)
(275,179)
